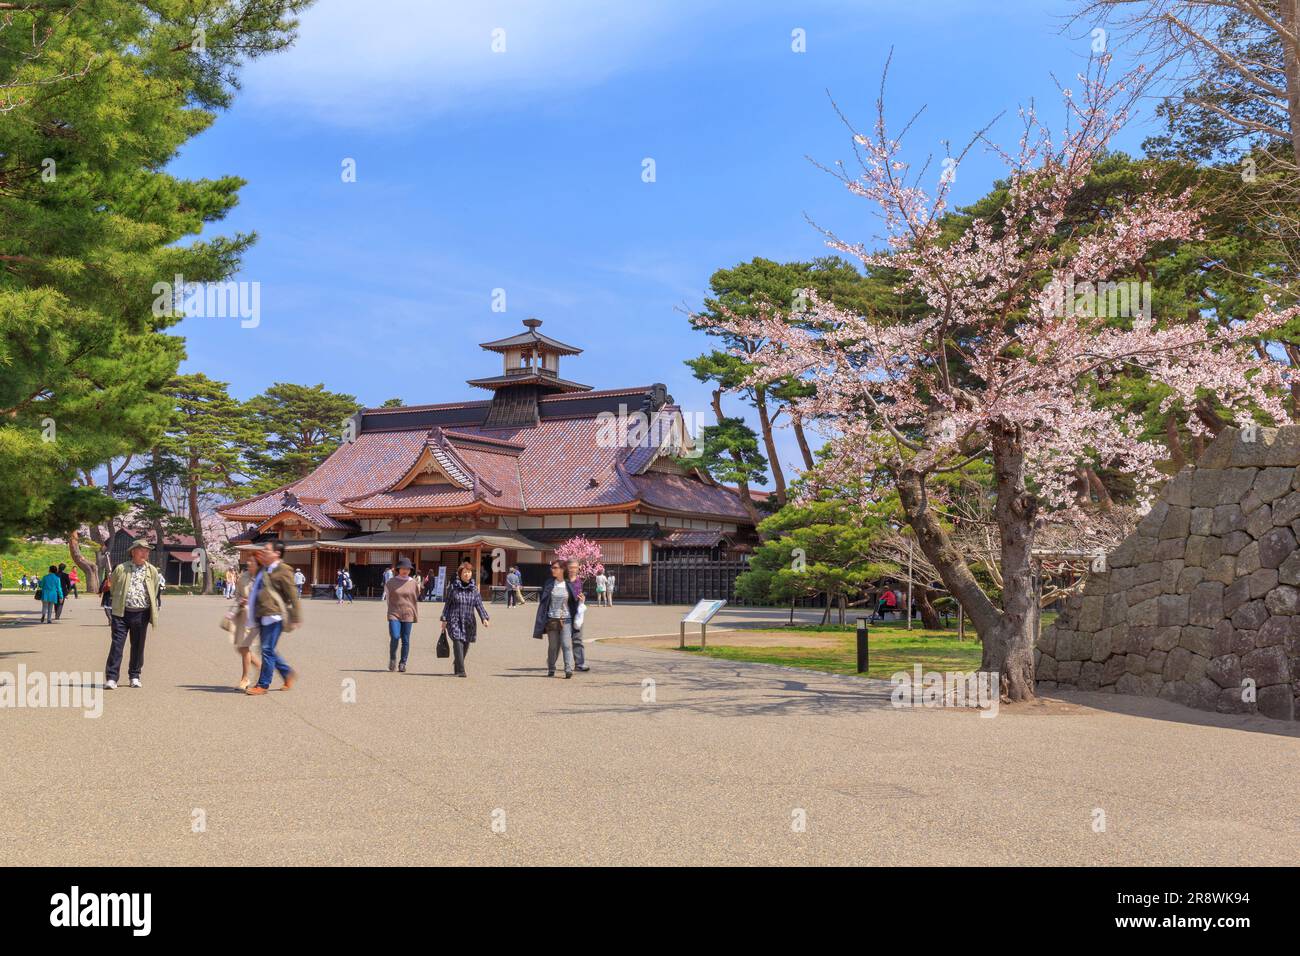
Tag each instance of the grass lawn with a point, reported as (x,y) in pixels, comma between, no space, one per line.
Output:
(892,648)
(36,558)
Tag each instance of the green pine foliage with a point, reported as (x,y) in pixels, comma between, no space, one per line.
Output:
(96,98)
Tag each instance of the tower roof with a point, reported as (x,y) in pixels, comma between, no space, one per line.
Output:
(531,337)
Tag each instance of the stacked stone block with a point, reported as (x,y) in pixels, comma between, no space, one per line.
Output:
(1205,593)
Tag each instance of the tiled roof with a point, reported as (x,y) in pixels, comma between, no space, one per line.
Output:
(530,337)
(292,504)
(433,497)
(559,464)
(686,494)
(636,531)
(691,538)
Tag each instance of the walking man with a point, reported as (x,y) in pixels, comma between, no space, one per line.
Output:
(299,579)
(513,580)
(134,592)
(273,604)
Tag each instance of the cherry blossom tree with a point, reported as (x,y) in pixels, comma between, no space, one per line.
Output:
(583,550)
(1005,364)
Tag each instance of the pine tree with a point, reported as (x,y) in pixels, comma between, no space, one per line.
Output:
(95,99)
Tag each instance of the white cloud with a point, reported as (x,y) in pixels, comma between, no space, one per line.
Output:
(361,64)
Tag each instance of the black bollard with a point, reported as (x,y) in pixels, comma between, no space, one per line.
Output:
(863,656)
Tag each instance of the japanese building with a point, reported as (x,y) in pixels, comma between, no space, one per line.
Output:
(504,480)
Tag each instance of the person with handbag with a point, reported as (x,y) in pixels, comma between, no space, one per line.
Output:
(50,595)
(579,652)
(557,606)
(402,594)
(242,633)
(135,607)
(461,603)
(274,607)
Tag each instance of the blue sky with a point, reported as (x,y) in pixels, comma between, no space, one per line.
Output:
(522,171)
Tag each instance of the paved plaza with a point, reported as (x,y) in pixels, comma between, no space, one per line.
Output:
(511,767)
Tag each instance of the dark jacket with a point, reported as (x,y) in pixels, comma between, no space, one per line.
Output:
(462,602)
(544,604)
(65,581)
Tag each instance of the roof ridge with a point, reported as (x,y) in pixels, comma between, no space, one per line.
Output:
(453,434)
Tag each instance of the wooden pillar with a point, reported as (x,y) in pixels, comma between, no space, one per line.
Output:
(478,565)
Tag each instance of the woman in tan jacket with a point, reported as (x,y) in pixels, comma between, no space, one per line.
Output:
(244,635)
(402,595)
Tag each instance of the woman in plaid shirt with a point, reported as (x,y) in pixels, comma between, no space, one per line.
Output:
(462,602)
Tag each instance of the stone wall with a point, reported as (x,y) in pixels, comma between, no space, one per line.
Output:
(1204,594)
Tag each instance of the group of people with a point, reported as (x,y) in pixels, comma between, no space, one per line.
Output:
(515,592)
(69,581)
(891,601)
(560,616)
(266,595)
(266,606)
(52,590)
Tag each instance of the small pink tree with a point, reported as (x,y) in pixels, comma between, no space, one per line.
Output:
(583,550)
(996,369)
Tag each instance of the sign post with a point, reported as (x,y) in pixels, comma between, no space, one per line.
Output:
(701,614)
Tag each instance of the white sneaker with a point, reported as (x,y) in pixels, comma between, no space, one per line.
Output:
(110,685)
(135,682)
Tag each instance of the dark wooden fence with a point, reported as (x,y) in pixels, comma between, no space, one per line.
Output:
(687,579)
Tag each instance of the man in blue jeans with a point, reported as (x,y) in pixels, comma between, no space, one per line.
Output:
(273,605)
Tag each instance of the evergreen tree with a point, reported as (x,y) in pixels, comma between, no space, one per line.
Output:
(296,428)
(202,444)
(95,99)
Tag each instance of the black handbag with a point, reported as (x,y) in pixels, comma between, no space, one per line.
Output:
(444,647)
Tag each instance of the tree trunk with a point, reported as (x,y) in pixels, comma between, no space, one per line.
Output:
(765,425)
(88,569)
(196,519)
(796,423)
(929,614)
(1290,10)
(159,532)
(1104,501)
(943,554)
(1174,443)
(1009,646)
(746,499)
